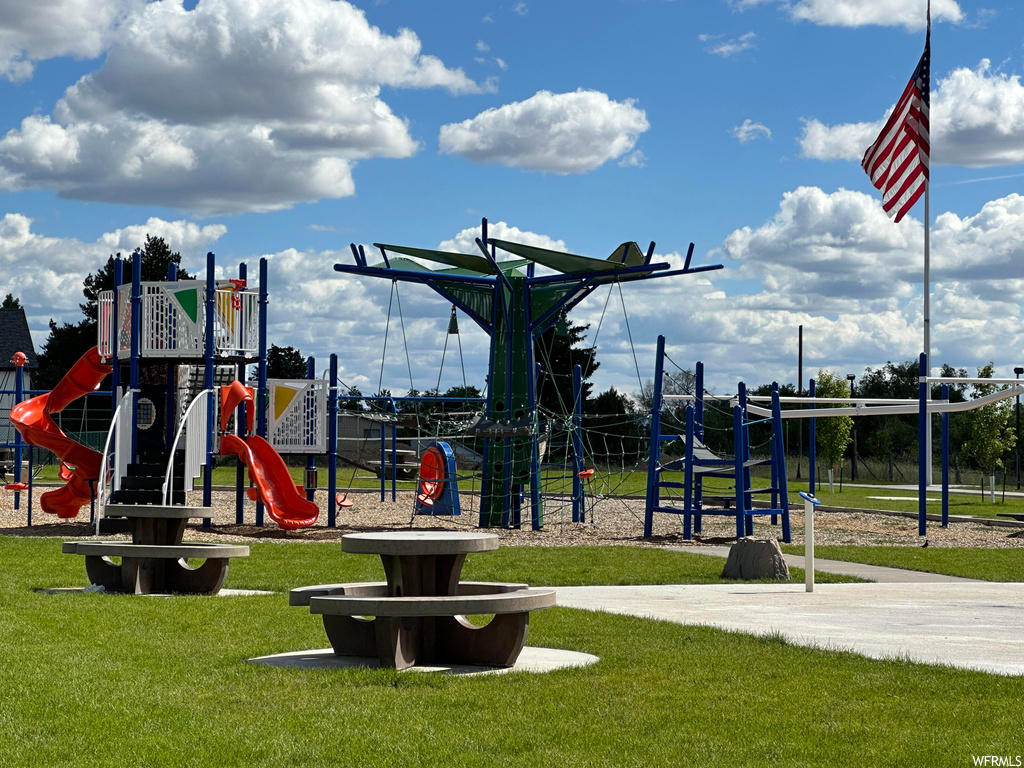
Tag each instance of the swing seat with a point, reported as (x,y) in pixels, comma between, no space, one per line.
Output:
(16,486)
(586,474)
(342,500)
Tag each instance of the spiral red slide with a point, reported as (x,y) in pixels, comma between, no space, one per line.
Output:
(32,419)
(274,484)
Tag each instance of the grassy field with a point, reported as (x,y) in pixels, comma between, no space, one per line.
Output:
(92,679)
(984,564)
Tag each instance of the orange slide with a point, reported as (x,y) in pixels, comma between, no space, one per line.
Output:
(32,419)
(275,487)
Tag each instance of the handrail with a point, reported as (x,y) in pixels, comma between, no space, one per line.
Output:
(114,422)
(933,406)
(169,474)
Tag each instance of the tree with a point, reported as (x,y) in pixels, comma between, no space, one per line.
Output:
(157,257)
(613,429)
(10,302)
(285,363)
(991,435)
(833,432)
(558,353)
(68,341)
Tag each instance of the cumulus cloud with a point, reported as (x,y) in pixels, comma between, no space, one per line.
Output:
(43,29)
(236,105)
(909,14)
(557,132)
(977,120)
(46,273)
(725,48)
(750,130)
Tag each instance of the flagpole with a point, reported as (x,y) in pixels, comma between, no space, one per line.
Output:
(927,271)
(927,322)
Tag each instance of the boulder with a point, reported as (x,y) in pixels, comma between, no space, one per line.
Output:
(751,559)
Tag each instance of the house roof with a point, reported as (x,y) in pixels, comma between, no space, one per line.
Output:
(15,337)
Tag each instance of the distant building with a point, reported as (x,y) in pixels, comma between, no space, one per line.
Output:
(14,337)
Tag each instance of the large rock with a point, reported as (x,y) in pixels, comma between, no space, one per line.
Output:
(755,559)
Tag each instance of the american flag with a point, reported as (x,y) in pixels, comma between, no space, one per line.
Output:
(898,160)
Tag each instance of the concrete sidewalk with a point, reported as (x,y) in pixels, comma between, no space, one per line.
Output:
(971,625)
(876,573)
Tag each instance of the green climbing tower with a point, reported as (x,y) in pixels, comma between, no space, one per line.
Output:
(514,306)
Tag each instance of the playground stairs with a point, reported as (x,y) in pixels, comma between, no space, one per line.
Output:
(144,483)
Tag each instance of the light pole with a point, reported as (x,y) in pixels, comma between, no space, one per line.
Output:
(853,434)
(1016,440)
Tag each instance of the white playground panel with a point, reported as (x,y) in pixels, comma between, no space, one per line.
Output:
(174,320)
(297,415)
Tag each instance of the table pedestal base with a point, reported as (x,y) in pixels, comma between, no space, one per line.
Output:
(400,642)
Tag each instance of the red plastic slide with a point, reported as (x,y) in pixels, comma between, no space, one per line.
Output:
(32,419)
(274,484)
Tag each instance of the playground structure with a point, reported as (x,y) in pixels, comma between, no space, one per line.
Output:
(513,307)
(699,463)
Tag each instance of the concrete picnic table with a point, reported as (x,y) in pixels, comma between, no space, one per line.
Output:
(419,611)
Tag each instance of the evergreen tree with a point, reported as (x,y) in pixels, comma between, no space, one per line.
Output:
(558,353)
(285,363)
(10,302)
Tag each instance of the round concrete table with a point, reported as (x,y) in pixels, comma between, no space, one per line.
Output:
(419,613)
(420,563)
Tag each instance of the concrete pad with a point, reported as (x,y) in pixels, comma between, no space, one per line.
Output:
(970,625)
(530,660)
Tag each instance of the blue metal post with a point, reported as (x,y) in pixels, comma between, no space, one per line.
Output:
(780,452)
(115,344)
(688,475)
(579,501)
(740,491)
(945,460)
(261,370)
(19,395)
(922,452)
(208,382)
(133,376)
(311,421)
(332,443)
(698,433)
(170,422)
(653,497)
(240,422)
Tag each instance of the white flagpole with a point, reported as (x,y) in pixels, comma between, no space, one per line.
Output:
(927,323)
(927,275)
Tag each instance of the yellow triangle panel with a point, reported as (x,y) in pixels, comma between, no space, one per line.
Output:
(283,396)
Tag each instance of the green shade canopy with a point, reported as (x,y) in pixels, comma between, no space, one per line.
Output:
(626,255)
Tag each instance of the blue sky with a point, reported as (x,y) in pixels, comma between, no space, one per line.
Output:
(290,128)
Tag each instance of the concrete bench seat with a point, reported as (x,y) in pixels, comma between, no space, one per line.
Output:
(169,512)
(174,551)
(516,601)
(302,595)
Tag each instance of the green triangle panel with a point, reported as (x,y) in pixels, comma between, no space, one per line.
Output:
(188,300)
(544,297)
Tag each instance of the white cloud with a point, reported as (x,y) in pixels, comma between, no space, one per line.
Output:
(465,241)
(501,63)
(482,46)
(750,130)
(909,14)
(635,159)
(43,29)
(977,120)
(237,105)
(726,48)
(46,273)
(520,8)
(556,132)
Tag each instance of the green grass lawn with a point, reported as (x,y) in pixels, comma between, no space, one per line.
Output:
(984,564)
(90,679)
